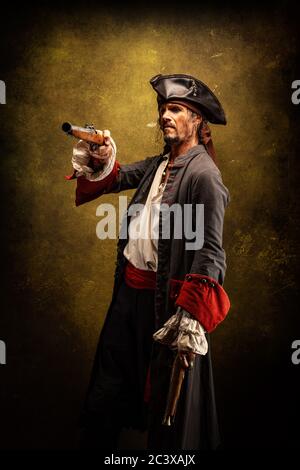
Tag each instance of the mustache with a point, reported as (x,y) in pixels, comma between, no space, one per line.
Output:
(163,126)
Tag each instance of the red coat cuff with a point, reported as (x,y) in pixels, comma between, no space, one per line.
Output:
(205,299)
(88,190)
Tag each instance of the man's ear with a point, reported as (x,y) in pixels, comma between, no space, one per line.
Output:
(199,119)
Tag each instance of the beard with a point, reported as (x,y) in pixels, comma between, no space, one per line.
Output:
(171,140)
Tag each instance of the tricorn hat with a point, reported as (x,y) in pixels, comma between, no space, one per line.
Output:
(189,90)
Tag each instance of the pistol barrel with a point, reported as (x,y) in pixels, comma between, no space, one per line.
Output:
(84,133)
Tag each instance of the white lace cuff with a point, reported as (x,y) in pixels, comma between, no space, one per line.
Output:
(81,158)
(184,333)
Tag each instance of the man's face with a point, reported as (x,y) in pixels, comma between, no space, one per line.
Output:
(177,122)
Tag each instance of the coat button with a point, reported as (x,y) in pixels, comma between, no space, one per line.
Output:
(204,281)
(211,284)
(189,278)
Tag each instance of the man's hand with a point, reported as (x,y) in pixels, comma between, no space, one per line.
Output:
(103,153)
(187,359)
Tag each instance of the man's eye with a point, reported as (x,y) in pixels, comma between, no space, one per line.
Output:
(175,109)
(172,109)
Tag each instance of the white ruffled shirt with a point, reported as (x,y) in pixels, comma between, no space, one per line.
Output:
(183,333)
(141,249)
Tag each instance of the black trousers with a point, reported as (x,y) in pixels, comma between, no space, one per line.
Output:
(115,397)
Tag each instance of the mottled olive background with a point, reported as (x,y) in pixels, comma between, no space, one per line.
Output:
(93,64)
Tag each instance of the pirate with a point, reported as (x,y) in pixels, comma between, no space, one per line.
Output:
(167,297)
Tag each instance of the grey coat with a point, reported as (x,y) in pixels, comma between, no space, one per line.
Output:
(194,179)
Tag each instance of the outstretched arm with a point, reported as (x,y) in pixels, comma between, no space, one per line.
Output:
(110,177)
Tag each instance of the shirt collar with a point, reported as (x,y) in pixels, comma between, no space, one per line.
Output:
(182,159)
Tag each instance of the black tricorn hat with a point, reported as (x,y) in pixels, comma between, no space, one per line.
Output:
(189,90)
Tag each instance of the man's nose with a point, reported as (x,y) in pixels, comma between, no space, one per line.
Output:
(166,115)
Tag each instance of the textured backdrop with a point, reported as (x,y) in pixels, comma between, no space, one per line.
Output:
(93,65)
